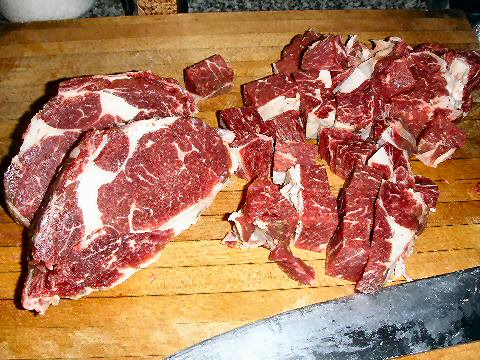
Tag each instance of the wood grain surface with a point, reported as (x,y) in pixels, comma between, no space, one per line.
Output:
(200,288)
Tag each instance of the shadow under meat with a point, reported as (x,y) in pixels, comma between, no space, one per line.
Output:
(51,89)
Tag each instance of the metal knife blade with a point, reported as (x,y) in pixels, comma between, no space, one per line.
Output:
(399,320)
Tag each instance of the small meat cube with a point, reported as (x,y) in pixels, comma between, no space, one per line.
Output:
(292,53)
(326,54)
(288,126)
(290,153)
(317,101)
(328,140)
(439,141)
(355,110)
(396,78)
(272,95)
(343,150)
(254,153)
(348,250)
(393,163)
(245,120)
(209,77)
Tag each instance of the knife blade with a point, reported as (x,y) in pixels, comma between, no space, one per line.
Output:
(405,319)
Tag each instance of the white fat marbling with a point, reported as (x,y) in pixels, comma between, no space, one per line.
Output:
(278,177)
(401,237)
(381,157)
(39,130)
(314,123)
(278,106)
(426,157)
(325,77)
(116,106)
(457,78)
(89,182)
(226,135)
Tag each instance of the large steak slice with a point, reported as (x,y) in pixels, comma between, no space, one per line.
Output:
(91,102)
(123,193)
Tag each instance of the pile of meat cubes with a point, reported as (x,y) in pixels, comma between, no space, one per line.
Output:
(115,166)
(370,109)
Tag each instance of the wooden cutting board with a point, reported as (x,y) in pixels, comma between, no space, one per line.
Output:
(200,288)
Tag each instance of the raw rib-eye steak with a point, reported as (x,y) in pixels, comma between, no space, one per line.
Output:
(121,196)
(91,102)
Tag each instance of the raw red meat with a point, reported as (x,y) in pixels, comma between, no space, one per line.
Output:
(355,110)
(429,192)
(288,126)
(254,153)
(328,140)
(293,266)
(91,102)
(439,141)
(343,150)
(245,120)
(318,209)
(357,52)
(290,153)
(272,95)
(394,164)
(398,216)
(292,53)
(440,93)
(121,196)
(380,55)
(326,54)
(209,77)
(268,219)
(317,102)
(348,250)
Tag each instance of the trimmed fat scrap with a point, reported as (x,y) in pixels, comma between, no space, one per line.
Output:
(209,77)
(123,193)
(348,250)
(269,220)
(82,104)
